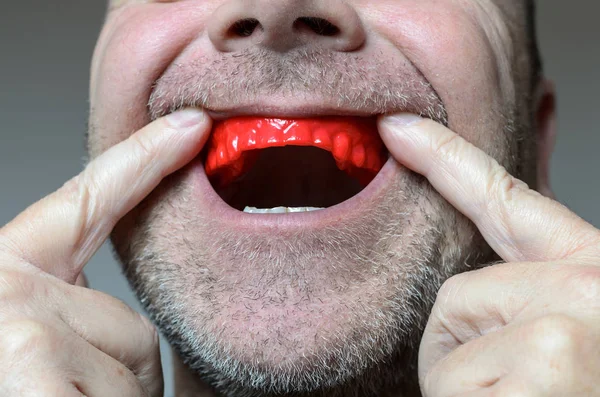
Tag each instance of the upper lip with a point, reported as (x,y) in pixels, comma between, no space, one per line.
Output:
(286,108)
(286,112)
(301,106)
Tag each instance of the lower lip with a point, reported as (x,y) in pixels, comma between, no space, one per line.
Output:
(351,208)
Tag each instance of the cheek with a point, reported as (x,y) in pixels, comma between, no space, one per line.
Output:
(137,44)
(452,51)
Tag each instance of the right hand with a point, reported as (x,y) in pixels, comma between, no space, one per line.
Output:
(56,337)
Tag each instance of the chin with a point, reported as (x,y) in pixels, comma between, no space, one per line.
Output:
(329,301)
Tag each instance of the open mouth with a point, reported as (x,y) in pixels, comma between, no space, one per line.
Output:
(268,165)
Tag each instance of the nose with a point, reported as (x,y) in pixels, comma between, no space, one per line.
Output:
(282,25)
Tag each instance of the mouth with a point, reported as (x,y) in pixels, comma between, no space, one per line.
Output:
(261,165)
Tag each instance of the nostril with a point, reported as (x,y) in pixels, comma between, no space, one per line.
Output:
(244,27)
(284,25)
(320,26)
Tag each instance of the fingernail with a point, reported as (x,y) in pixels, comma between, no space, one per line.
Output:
(403,119)
(186,118)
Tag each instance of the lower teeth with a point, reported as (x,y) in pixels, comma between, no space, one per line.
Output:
(279,210)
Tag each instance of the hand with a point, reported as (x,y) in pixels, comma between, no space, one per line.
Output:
(530,326)
(60,339)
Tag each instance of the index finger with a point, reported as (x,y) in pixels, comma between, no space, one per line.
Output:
(61,232)
(517,222)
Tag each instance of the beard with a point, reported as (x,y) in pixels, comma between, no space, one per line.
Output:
(335,311)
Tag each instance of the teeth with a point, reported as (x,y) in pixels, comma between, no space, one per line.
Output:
(280,210)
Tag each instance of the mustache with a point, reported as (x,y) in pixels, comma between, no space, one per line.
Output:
(343,83)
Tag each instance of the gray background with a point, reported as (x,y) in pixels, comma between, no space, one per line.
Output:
(45,48)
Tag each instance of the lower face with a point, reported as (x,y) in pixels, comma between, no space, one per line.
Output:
(328,302)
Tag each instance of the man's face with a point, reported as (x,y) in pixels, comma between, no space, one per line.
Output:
(332,300)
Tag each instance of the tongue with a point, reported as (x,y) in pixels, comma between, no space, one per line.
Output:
(353,141)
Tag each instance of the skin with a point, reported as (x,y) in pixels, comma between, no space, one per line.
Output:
(370,264)
(60,338)
(452,207)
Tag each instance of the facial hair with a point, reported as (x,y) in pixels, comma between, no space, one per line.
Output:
(337,311)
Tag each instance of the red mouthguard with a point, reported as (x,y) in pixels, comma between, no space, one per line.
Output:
(354,143)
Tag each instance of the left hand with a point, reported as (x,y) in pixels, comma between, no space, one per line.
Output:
(530,326)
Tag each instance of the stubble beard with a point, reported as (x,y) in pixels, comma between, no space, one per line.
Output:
(369,289)
(332,312)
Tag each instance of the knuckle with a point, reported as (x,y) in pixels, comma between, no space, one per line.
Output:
(80,193)
(502,184)
(503,192)
(450,295)
(89,188)
(73,187)
(77,189)
(16,288)
(583,284)
(12,287)
(452,286)
(447,312)
(447,146)
(27,337)
(144,148)
(556,337)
